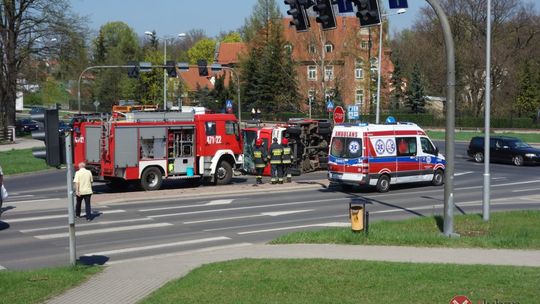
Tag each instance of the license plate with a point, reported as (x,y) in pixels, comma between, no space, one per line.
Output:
(336,175)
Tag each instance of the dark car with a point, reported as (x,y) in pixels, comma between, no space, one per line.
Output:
(37,110)
(63,126)
(26,125)
(504,149)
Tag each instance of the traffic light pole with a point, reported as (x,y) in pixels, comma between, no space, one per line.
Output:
(71,214)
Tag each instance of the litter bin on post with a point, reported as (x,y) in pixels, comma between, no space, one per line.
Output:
(358,217)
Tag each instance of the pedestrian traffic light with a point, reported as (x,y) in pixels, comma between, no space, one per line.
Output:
(171,69)
(298,13)
(203,67)
(325,11)
(50,135)
(133,69)
(368,12)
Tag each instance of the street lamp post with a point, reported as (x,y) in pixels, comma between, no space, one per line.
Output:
(399,12)
(165,39)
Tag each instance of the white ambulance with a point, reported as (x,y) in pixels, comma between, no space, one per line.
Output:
(383,154)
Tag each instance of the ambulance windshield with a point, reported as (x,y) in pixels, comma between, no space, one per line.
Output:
(346,147)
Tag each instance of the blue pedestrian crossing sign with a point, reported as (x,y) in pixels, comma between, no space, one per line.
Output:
(228,103)
(398,4)
(329,106)
(345,6)
(352,112)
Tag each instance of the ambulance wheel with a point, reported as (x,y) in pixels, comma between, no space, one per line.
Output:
(438,178)
(383,184)
(224,173)
(151,179)
(478,157)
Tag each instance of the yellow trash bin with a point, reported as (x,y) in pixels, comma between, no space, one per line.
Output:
(357,215)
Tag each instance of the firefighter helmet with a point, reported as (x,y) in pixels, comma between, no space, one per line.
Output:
(258,142)
(284,141)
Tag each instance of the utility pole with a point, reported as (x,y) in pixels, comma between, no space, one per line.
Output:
(487,156)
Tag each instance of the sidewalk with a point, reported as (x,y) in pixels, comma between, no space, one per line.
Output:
(22,143)
(131,281)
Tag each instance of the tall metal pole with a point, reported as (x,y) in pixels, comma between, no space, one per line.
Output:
(71,215)
(379,71)
(448,227)
(487,107)
(164,74)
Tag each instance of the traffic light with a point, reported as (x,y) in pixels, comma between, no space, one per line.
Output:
(368,12)
(203,67)
(325,11)
(171,69)
(52,153)
(298,13)
(133,71)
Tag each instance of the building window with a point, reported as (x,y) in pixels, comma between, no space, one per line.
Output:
(329,47)
(312,49)
(288,48)
(312,72)
(359,97)
(359,69)
(364,44)
(328,72)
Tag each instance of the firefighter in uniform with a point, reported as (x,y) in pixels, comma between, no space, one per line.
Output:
(259,158)
(276,165)
(287,159)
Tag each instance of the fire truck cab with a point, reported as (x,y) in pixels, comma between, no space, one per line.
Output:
(381,155)
(147,147)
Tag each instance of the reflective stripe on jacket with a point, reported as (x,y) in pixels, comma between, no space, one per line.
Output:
(259,157)
(276,150)
(287,155)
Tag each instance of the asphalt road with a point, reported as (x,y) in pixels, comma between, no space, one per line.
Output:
(145,227)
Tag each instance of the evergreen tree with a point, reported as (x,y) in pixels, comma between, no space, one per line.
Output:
(397,83)
(528,99)
(415,99)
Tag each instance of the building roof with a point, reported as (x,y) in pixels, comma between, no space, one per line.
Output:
(191,78)
(230,52)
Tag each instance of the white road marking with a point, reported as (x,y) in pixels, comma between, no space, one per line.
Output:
(245,216)
(104,230)
(12,196)
(2,268)
(219,202)
(294,227)
(171,208)
(524,190)
(150,247)
(33,201)
(94,223)
(463,173)
(248,207)
(48,217)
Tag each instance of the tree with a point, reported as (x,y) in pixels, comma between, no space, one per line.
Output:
(415,94)
(528,99)
(22,23)
(231,37)
(397,83)
(203,49)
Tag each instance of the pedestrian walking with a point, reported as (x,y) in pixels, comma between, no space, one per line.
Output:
(253,114)
(276,164)
(2,189)
(287,159)
(258,114)
(259,157)
(83,189)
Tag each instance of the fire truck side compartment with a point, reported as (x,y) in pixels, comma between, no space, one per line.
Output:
(93,145)
(124,154)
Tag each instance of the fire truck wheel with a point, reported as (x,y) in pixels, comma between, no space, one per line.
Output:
(294,131)
(151,179)
(383,184)
(324,131)
(438,178)
(325,124)
(223,173)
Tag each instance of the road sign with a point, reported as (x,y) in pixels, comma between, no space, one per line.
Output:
(339,115)
(345,6)
(329,106)
(228,104)
(398,4)
(352,112)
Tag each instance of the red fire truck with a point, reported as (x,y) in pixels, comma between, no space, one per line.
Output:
(147,147)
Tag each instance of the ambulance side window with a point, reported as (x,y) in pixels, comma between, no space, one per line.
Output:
(210,127)
(427,146)
(406,146)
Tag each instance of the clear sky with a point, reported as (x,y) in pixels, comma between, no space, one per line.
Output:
(171,17)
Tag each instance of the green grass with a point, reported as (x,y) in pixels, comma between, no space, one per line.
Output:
(466,135)
(38,285)
(337,281)
(20,161)
(517,229)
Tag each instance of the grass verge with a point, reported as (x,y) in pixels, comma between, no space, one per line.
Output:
(38,285)
(336,281)
(20,161)
(511,230)
(466,135)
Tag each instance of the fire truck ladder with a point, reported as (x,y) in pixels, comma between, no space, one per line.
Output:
(103,143)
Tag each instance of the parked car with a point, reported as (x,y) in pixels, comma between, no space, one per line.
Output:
(504,149)
(63,126)
(36,110)
(26,125)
